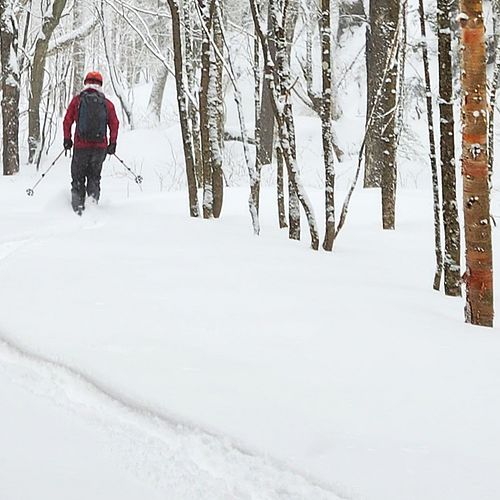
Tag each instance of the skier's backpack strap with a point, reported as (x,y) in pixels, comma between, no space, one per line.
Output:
(92,117)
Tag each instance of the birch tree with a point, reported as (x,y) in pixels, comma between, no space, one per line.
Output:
(476,194)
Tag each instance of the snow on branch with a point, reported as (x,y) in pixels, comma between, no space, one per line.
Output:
(68,38)
(148,39)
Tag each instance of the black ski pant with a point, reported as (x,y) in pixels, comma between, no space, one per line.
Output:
(86,169)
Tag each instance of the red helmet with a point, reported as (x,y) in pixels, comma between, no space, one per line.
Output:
(93,77)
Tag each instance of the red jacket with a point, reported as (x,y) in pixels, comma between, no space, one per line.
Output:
(72,116)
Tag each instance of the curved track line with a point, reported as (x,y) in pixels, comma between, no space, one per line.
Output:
(185,461)
(10,246)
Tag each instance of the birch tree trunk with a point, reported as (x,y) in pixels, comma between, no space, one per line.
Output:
(182,101)
(49,24)
(447,152)
(478,246)
(10,87)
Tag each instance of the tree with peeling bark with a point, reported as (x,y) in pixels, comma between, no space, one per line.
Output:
(447,153)
(10,79)
(476,194)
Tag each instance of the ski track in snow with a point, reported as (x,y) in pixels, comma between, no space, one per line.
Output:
(10,245)
(183,461)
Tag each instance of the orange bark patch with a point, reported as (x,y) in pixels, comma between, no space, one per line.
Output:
(472,35)
(480,280)
(475,138)
(475,169)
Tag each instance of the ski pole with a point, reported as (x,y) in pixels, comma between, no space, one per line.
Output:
(31,191)
(138,178)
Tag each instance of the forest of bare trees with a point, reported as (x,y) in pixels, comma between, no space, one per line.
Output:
(47,45)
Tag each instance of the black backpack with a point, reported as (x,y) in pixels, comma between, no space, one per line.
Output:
(92,117)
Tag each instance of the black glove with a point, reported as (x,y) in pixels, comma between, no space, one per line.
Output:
(112,148)
(68,144)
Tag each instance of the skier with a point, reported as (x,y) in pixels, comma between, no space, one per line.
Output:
(93,114)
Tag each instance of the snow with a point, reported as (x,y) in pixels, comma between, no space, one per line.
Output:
(145,354)
(62,456)
(80,32)
(341,375)
(161,454)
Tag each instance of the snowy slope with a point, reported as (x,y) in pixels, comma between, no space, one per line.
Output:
(48,453)
(117,450)
(346,368)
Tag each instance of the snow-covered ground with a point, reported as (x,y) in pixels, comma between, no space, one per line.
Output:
(144,354)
